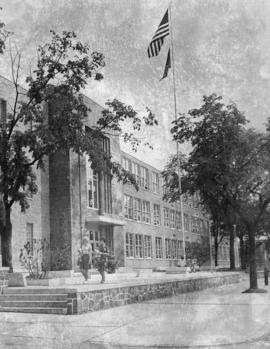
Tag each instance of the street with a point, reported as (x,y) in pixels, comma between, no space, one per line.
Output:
(212,318)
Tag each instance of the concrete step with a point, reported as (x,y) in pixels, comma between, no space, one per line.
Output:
(32,304)
(34,290)
(33,297)
(60,311)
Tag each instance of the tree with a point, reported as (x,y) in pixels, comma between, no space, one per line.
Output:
(49,118)
(199,250)
(3,35)
(219,232)
(228,166)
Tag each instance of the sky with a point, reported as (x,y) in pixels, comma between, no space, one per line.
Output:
(220,46)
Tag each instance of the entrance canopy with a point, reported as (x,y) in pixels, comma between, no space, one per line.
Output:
(105,220)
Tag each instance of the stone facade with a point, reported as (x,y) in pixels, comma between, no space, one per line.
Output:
(83,302)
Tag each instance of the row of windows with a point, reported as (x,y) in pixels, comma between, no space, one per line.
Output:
(136,209)
(142,175)
(140,210)
(140,246)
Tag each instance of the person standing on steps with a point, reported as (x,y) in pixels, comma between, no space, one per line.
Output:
(102,259)
(86,257)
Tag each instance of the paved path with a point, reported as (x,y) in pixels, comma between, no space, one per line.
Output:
(214,318)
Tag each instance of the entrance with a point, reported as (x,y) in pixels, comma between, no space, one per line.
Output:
(94,237)
(95,233)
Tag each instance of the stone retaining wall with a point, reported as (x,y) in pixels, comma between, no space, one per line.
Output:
(82,302)
(3,279)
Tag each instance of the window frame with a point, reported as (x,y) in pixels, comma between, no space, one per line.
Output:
(139,246)
(137,209)
(156,213)
(168,248)
(147,246)
(128,206)
(166,213)
(92,183)
(144,177)
(155,182)
(146,212)
(159,248)
(129,244)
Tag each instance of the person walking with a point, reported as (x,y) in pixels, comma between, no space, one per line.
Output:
(102,259)
(86,257)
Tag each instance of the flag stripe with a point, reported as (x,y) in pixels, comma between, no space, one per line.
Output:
(158,38)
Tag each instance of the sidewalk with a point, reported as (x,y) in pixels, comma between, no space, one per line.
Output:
(214,317)
(125,279)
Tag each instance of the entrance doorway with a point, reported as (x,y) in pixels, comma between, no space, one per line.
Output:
(98,232)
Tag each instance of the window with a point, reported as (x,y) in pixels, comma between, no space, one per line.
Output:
(180,249)
(135,169)
(166,217)
(156,214)
(172,219)
(159,253)
(144,178)
(137,209)
(174,249)
(168,248)
(30,235)
(128,206)
(155,182)
(127,164)
(178,224)
(94,181)
(146,211)
(186,222)
(147,246)
(138,246)
(129,245)
(92,186)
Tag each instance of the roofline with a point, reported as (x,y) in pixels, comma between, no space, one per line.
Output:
(102,107)
(141,161)
(23,88)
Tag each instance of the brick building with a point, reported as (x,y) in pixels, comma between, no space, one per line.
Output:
(153,229)
(73,201)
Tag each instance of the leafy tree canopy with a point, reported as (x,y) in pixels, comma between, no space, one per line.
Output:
(229,165)
(50,117)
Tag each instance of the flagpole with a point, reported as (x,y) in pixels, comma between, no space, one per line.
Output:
(177,145)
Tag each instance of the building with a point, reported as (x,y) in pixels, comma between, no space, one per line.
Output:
(153,229)
(73,200)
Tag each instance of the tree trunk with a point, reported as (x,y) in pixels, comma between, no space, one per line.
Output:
(216,248)
(242,252)
(252,260)
(232,257)
(6,236)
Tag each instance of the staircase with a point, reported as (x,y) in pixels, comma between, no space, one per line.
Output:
(35,300)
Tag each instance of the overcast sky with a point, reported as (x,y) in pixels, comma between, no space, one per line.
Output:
(220,46)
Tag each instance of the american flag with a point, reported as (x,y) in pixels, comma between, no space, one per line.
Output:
(158,39)
(167,66)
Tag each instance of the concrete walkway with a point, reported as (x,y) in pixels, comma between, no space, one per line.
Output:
(214,318)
